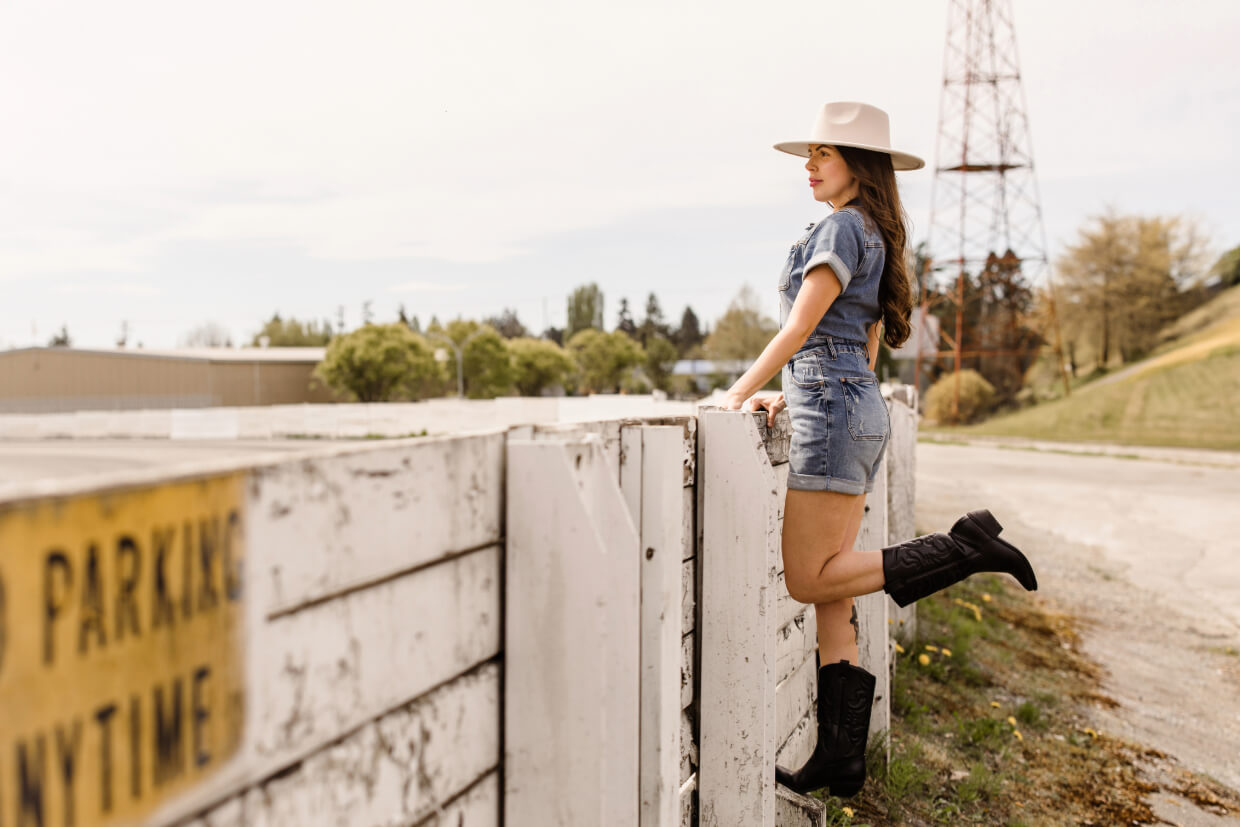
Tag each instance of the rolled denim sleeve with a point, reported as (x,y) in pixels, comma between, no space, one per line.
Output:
(837,240)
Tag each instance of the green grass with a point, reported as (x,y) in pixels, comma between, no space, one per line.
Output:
(1188,404)
(989,724)
(1186,394)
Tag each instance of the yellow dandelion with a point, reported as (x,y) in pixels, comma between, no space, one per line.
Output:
(900,649)
(1019,737)
(995,704)
(1090,732)
(1011,720)
(930,648)
(890,620)
(973,607)
(986,598)
(901,621)
(924,660)
(947,653)
(848,811)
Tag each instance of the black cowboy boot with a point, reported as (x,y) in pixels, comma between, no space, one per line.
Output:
(923,565)
(845,695)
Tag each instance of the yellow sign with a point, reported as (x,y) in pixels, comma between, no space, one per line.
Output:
(121,671)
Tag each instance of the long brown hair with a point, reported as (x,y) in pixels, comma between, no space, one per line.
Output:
(879,199)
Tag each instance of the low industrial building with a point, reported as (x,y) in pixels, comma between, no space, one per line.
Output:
(48,379)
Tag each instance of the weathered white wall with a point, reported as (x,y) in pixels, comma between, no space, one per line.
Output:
(339,421)
(373,636)
(384,686)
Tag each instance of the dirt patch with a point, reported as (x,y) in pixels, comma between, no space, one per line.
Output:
(996,720)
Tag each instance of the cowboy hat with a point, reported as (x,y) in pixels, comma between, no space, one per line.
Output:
(847,123)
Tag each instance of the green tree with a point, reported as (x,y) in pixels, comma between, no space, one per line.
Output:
(625,322)
(689,335)
(585,310)
(742,331)
(538,364)
(661,357)
(485,361)
(507,324)
(1227,268)
(61,339)
(604,359)
(377,363)
(292,333)
(653,325)
(1123,279)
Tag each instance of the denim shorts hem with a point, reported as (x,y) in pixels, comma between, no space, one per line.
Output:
(812,482)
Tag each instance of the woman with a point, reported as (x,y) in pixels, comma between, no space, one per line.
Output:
(844,282)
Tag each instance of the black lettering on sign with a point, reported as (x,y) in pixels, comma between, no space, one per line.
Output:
(135,747)
(92,602)
(161,600)
(103,717)
(126,580)
(30,783)
(200,712)
(187,569)
(53,597)
(169,745)
(67,752)
(208,540)
(232,568)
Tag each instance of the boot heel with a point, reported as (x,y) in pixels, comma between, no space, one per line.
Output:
(986,521)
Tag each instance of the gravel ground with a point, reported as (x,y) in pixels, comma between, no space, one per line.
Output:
(1146,553)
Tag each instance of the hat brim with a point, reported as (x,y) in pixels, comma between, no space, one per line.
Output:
(902,161)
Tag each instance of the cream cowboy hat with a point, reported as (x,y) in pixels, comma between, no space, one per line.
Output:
(846,123)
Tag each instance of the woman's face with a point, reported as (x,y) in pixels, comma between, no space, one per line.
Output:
(830,179)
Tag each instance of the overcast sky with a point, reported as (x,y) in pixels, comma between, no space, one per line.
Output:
(169,164)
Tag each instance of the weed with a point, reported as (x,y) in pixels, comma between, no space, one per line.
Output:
(1029,714)
(981,785)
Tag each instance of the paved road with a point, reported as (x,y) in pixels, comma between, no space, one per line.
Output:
(1146,552)
(1167,526)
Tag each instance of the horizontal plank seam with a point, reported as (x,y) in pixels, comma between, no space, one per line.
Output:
(344,591)
(464,791)
(295,764)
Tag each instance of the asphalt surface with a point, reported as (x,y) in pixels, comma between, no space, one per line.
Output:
(1143,548)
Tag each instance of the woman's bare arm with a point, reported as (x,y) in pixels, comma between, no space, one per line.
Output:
(818,290)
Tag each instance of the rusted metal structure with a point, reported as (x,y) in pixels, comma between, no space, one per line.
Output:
(984,199)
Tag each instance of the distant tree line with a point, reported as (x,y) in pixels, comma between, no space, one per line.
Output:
(498,355)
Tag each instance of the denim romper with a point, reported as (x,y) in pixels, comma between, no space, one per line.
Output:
(840,424)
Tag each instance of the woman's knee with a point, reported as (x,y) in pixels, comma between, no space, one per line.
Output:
(805,585)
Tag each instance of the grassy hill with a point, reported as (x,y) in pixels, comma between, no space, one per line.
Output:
(1187,393)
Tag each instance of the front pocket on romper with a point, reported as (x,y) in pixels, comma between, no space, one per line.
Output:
(867,412)
(805,371)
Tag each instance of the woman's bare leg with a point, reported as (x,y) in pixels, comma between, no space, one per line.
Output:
(820,565)
(838,628)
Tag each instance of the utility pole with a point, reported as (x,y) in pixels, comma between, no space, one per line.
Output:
(984,198)
(459,350)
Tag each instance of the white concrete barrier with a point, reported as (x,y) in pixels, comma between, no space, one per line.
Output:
(577,623)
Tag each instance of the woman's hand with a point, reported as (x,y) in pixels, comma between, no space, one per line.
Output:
(772,403)
(732,402)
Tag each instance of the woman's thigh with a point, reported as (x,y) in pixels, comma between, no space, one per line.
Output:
(817,526)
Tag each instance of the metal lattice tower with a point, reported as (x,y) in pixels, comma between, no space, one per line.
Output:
(984,198)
